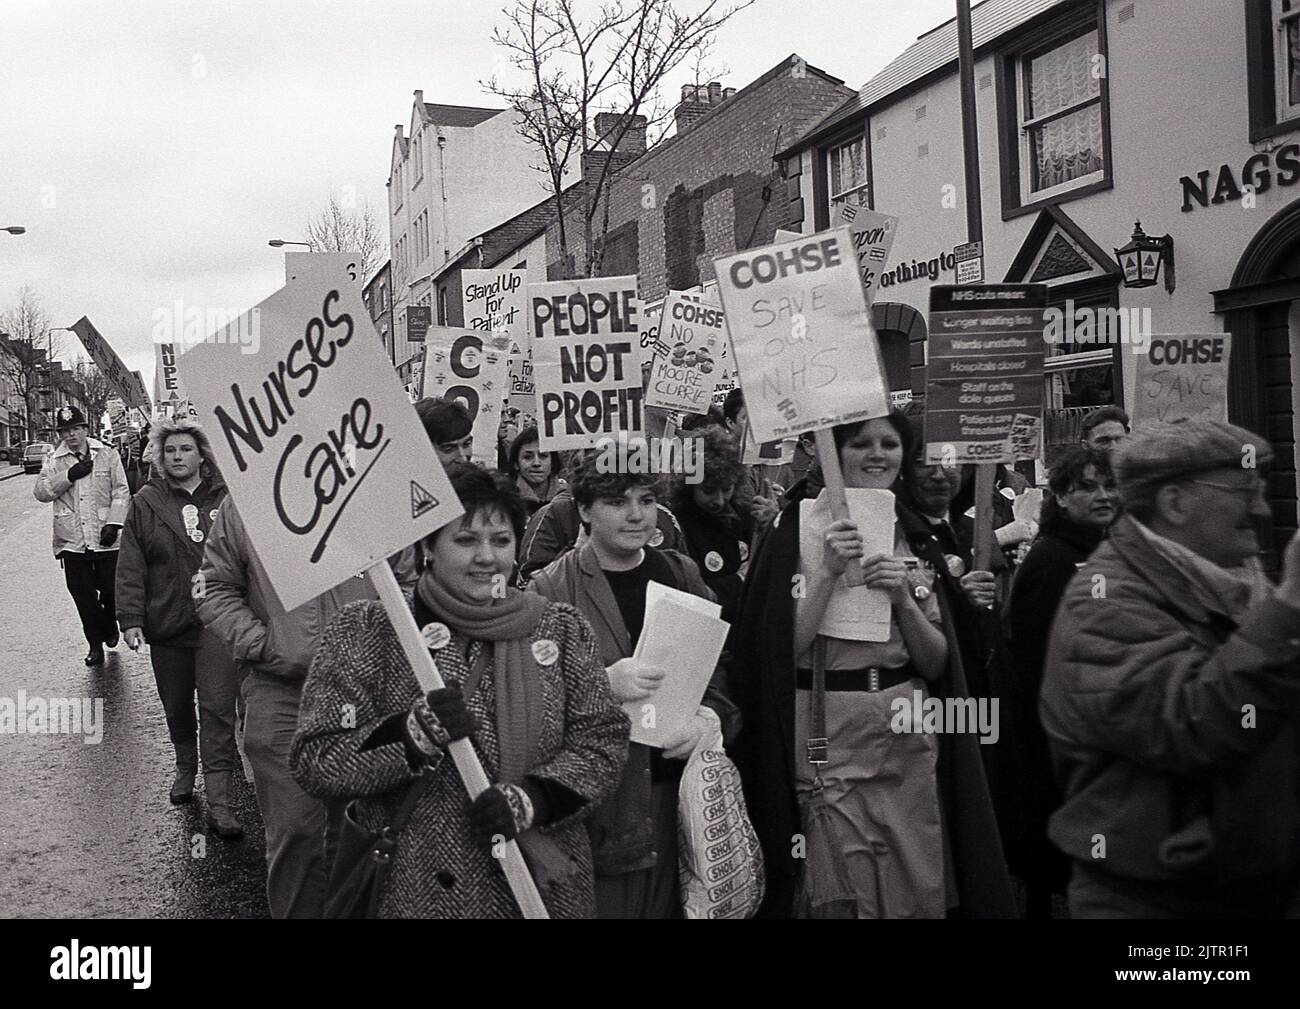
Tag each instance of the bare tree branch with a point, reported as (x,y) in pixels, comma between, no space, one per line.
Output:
(614,60)
(26,353)
(336,228)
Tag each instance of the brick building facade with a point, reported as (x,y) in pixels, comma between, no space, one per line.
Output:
(713,187)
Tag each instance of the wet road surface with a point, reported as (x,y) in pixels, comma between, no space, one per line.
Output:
(85,828)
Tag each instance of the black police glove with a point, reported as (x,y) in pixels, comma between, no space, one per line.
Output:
(108,536)
(437,720)
(81,468)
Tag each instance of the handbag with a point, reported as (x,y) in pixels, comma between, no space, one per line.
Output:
(364,857)
(823,889)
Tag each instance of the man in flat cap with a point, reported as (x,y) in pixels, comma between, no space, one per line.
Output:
(85,480)
(1171,695)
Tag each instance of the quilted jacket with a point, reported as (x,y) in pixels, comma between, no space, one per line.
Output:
(83,507)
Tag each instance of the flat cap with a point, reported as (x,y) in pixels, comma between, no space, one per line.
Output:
(1160,453)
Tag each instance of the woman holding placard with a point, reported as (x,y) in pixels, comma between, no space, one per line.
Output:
(890,831)
(523,681)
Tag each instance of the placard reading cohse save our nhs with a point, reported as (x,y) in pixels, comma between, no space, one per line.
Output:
(985,366)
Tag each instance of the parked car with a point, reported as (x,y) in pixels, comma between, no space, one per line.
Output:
(34,456)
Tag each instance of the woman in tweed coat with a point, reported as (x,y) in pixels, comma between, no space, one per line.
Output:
(539,711)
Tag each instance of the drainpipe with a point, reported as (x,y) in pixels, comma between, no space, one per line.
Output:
(442,186)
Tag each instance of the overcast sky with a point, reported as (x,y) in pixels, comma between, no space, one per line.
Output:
(151,149)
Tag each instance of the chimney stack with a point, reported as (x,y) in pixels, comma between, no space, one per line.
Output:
(698,100)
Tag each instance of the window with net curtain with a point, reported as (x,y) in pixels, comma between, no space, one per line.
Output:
(848,173)
(1062,113)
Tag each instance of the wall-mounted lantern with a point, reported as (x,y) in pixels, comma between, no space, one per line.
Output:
(1144,257)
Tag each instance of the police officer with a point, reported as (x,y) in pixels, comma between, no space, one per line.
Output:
(85,480)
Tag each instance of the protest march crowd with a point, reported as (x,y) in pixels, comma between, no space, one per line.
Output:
(712,692)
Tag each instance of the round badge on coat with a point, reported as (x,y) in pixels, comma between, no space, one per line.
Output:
(213,515)
(546,652)
(744,551)
(956,566)
(197,535)
(190,513)
(436,635)
(657,539)
(713,561)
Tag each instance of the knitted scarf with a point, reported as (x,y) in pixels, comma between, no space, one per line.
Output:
(507,624)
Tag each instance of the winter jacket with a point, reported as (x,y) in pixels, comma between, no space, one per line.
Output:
(237,601)
(554,529)
(83,507)
(1148,687)
(440,870)
(532,502)
(1059,551)
(719,546)
(622,830)
(159,559)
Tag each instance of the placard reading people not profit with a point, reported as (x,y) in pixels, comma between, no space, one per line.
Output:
(323,454)
(459,365)
(585,361)
(496,300)
(688,356)
(985,367)
(804,345)
(1183,376)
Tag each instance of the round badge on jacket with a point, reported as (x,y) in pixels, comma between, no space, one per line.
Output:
(546,652)
(713,561)
(196,535)
(744,551)
(956,566)
(190,514)
(436,635)
(657,540)
(212,515)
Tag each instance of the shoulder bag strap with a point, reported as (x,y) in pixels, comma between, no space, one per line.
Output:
(818,745)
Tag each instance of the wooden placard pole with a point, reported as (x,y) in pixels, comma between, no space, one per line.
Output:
(462,750)
(984,472)
(834,477)
(670,428)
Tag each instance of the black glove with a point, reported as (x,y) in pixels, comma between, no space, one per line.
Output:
(506,811)
(437,720)
(80,468)
(108,536)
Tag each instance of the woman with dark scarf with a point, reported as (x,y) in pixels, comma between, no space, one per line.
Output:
(536,473)
(523,681)
(1080,507)
(716,530)
(913,811)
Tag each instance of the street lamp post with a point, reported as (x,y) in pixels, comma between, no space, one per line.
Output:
(15,230)
(278,243)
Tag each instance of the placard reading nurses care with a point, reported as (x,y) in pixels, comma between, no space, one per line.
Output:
(805,349)
(324,456)
(585,362)
(458,365)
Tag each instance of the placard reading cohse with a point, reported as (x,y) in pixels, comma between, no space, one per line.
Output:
(985,366)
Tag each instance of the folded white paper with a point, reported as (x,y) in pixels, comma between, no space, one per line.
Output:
(684,639)
(853,613)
